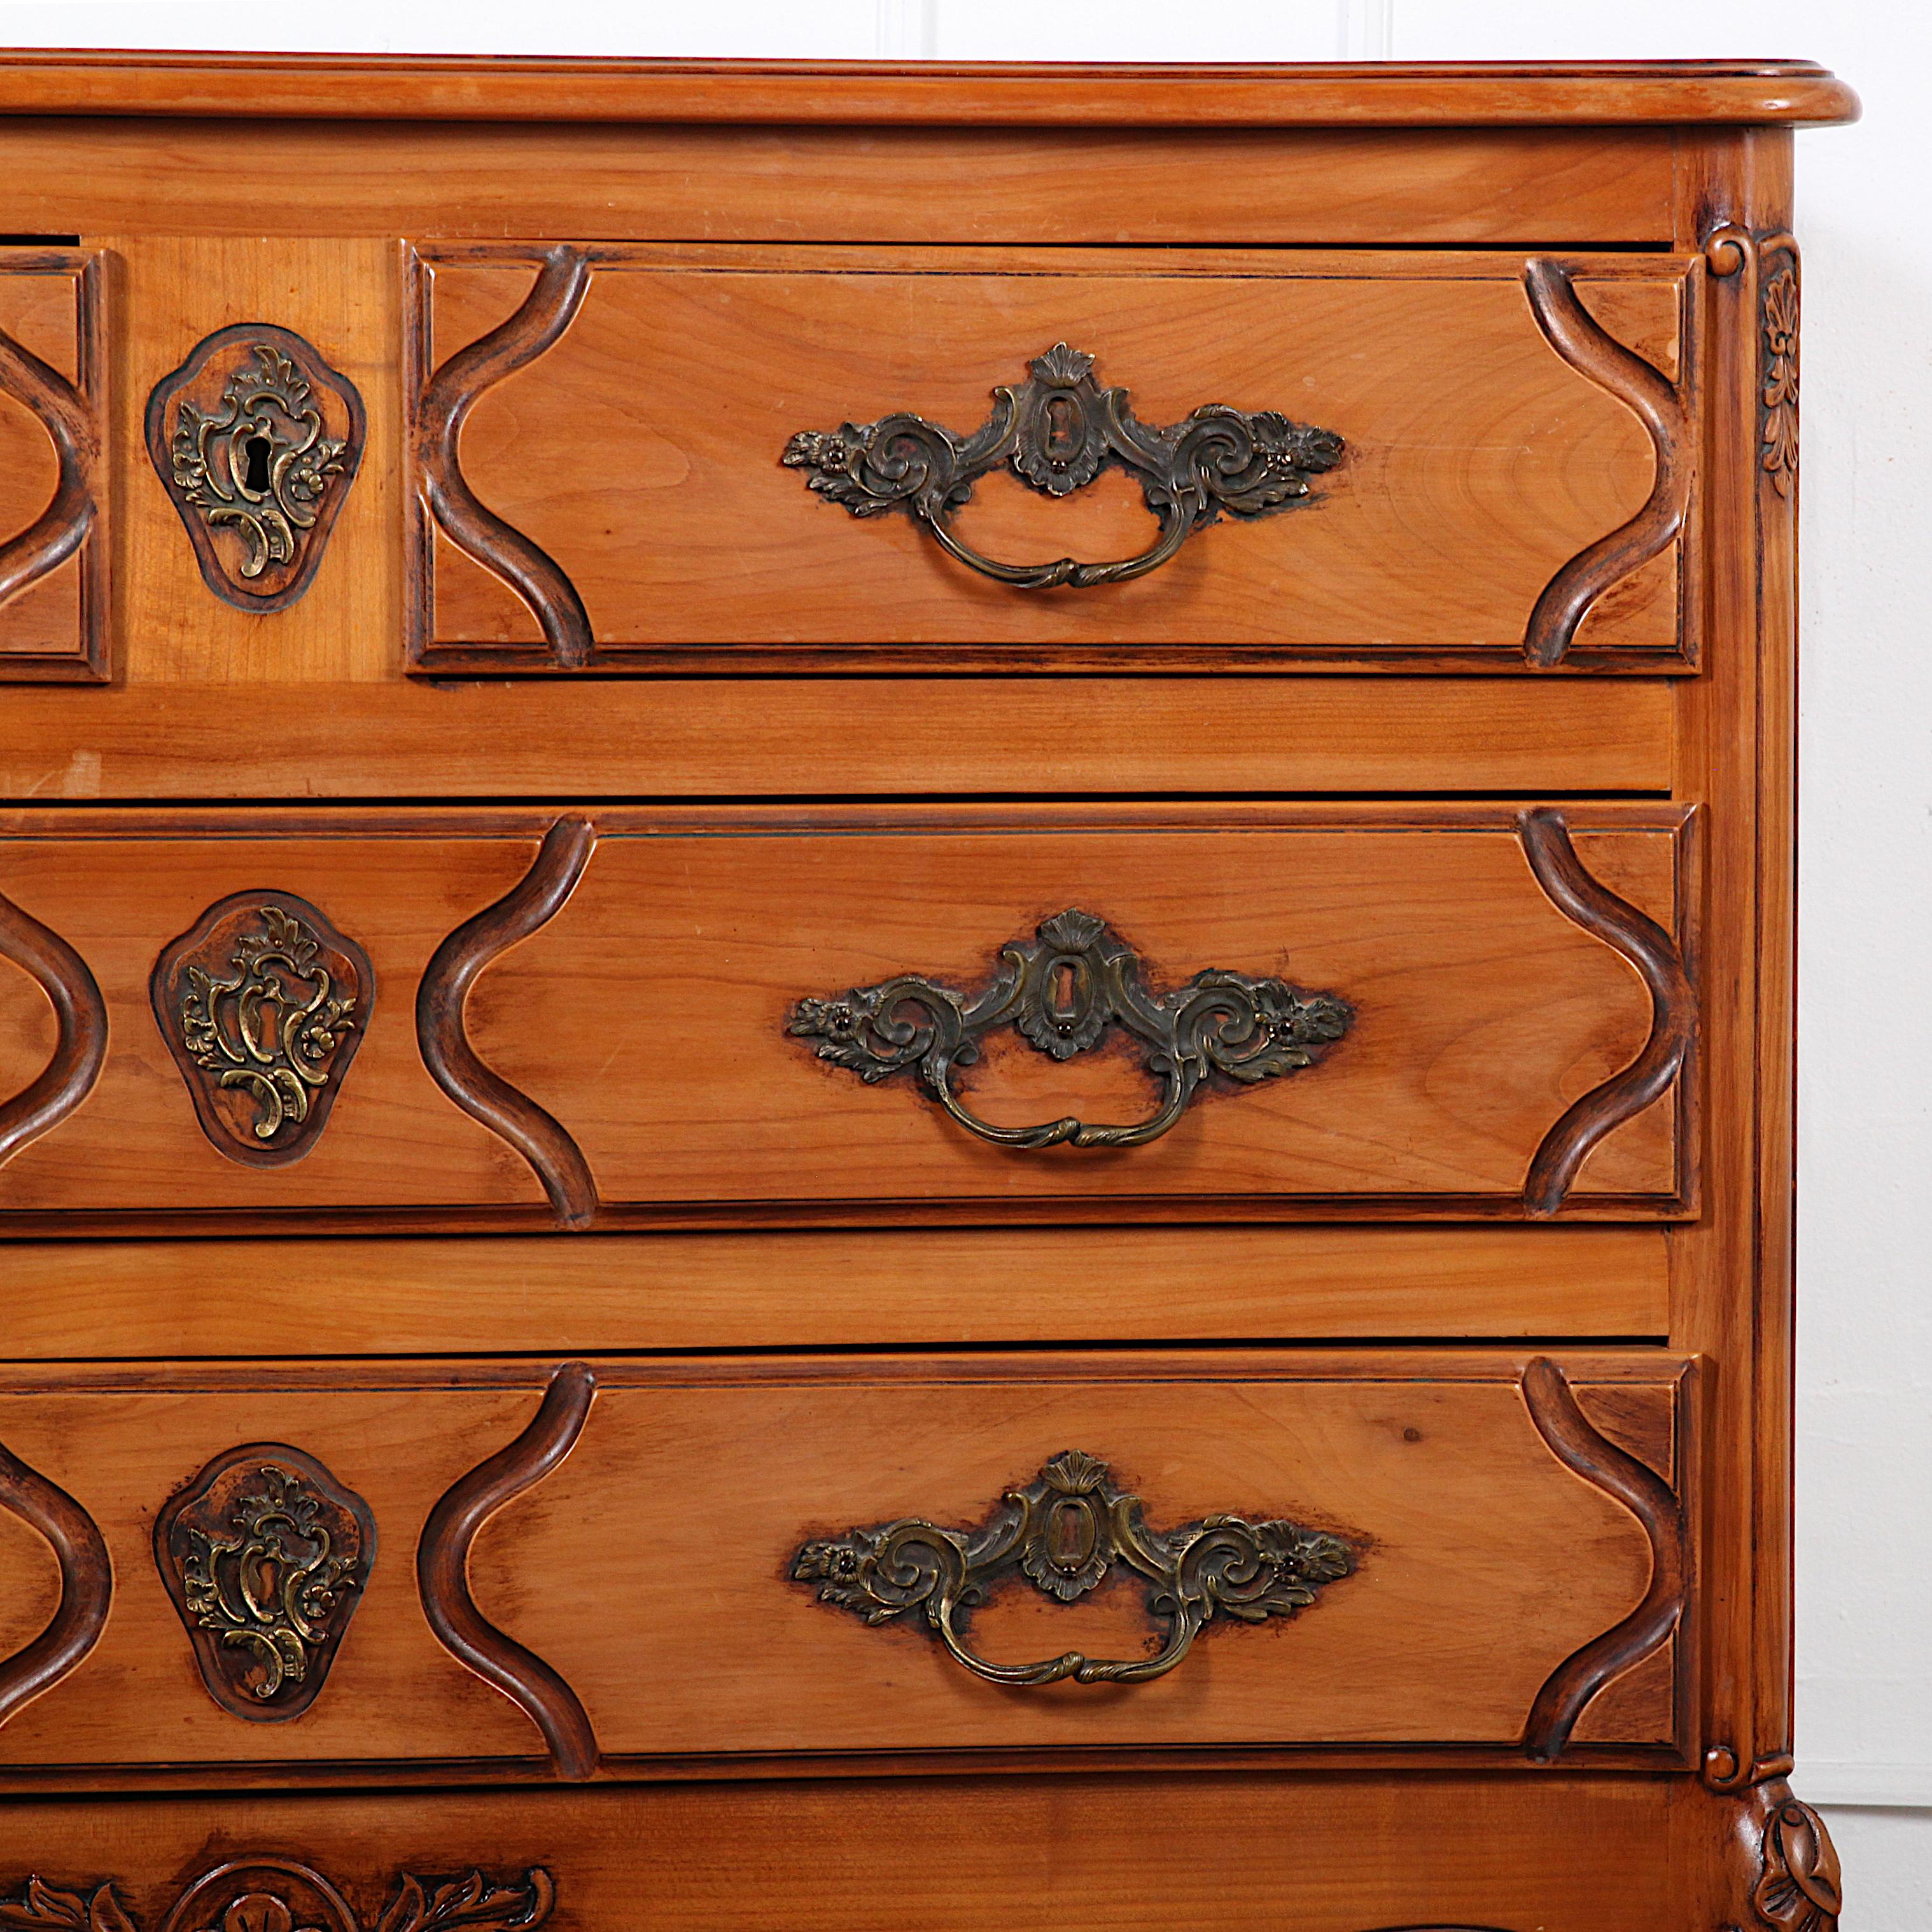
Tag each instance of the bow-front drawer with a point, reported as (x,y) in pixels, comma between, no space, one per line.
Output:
(469,1019)
(604,1563)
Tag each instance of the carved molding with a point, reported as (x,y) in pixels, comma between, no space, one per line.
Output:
(1778,291)
(265,1556)
(86,1584)
(454,1065)
(256,440)
(1659,962)
(263,1003)
(1660,405)
(1798,1888)
(1585,1451)
(563,279)
(442,1571)
(74,520)
(1062,1532)
(1064,991)
(80,1018)
(1057,432)
(275,1894)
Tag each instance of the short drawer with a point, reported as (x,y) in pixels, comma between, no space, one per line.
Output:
(629,456)
(642,1561)
(460,1020)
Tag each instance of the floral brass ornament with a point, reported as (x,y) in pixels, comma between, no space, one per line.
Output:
(264,1554)
(1064,1532)
(277,1894)
(1779,306)
(1062,991)
(263,1004)
(256,440)
(1057,432)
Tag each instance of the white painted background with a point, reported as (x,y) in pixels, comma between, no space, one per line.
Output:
(1864,1666)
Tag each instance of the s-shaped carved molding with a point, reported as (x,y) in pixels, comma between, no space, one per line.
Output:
(87,1584)
(442,1571)
(1659,404)
(1659,963)
(80,1045)
(563,279)
(1585,1451)
(71,414)
(455,1065)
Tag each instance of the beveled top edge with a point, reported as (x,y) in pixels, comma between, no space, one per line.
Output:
(495,87)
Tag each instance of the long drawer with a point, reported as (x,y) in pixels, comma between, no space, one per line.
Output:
(637,1562)
(470,1019)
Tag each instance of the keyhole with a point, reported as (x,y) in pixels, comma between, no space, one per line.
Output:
(256,452)
(1062,428)
(1062,987)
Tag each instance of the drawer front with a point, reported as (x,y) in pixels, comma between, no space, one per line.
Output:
(450,1020)
(319,1567)
(647,457)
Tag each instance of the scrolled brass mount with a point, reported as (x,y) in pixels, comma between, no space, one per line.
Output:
(1062,1532)
(1057,432)
(1062,991)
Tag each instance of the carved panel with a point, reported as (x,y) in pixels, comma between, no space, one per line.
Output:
(1777,310)
(255,439)
(265,1556)
(1062,1532)
(263,1003)
(276,1894)
(54,573)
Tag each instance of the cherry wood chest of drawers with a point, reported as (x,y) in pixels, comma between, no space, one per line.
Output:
(895,997)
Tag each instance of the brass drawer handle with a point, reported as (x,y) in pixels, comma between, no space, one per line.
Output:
(1057,432)
(1062,1532)
(1062,991)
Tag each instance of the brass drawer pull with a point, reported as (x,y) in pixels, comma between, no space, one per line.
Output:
(1057,432)
(1062,1532)
(1062,991)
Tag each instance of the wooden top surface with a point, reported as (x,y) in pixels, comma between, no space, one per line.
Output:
(1489,94)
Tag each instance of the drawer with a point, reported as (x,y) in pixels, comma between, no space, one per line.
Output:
(475,1020)
(344,1569)
(643,458)
(648,457)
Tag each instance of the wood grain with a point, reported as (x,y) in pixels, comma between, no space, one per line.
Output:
(1452,94)
(688,544)
(80,1038)
(86,1585)
(70,1299)
(161,738)
(54,559)
(648,1015)
(647,1566)
(441,996)
(1356,1854)
(442,1571)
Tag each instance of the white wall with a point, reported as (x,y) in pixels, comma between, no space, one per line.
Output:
(1865,1242)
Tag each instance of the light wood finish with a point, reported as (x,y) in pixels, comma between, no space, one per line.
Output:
(68,1300)
(383,736)
(1455,94)
(1557,308)
(1483,1012)
(1478,462)
(647,1568)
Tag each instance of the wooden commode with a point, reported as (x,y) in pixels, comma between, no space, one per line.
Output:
(895,997)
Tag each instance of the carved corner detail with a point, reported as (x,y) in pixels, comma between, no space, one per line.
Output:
(1789,1867)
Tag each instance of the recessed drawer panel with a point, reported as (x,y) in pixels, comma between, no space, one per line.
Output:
(471,1019)
(637,1560)
(633,457)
